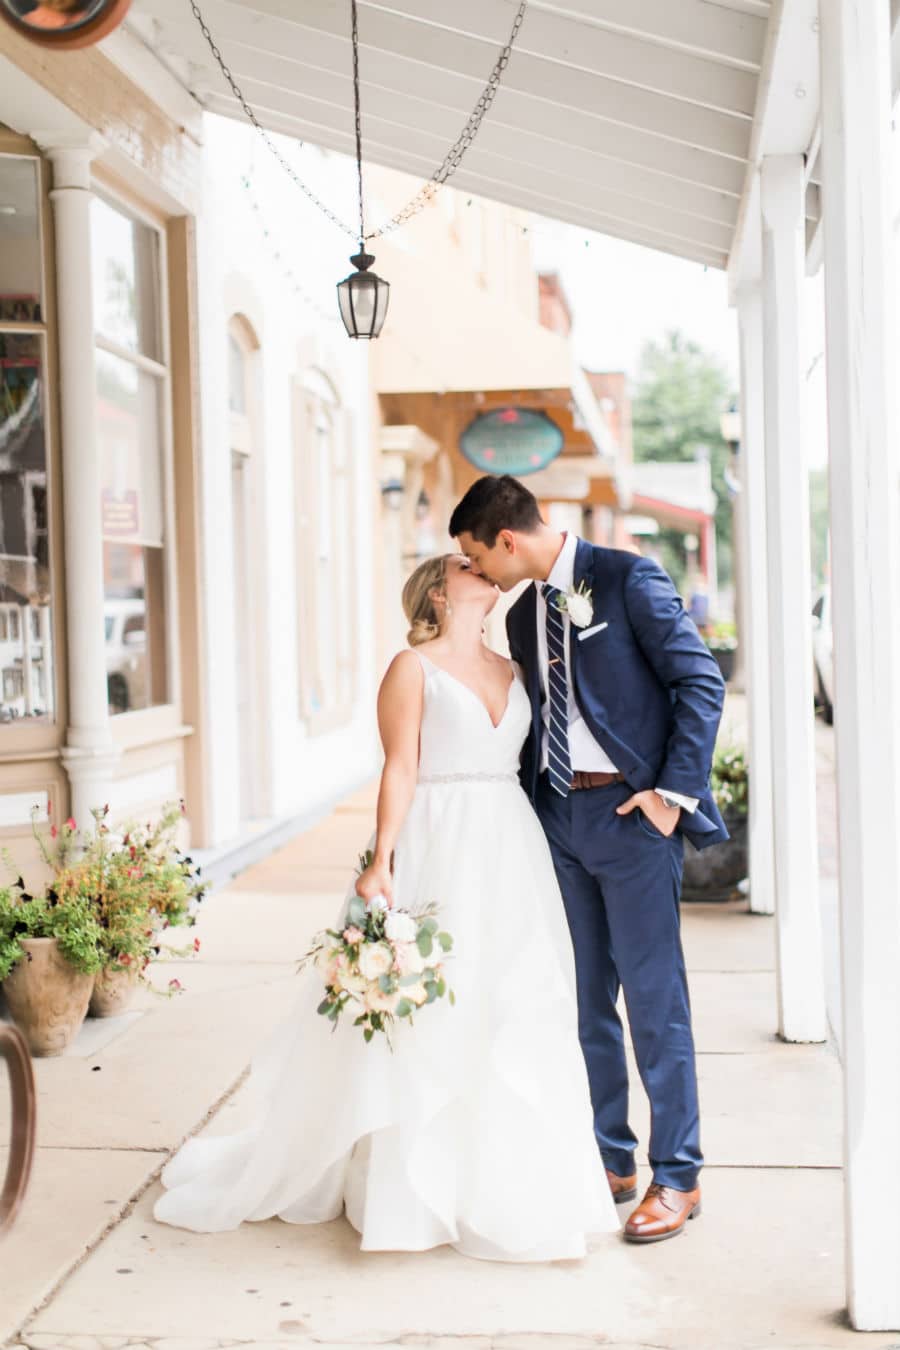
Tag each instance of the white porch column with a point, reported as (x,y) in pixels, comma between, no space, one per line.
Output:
(801,980)
(755,596)
(89,753)
(864,472)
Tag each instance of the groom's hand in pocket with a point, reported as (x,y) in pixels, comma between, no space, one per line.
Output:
(664,818)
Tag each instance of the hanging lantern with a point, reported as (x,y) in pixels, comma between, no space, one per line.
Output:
(363,298)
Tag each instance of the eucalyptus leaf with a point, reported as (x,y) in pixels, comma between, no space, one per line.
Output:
(404,1008)
(424,943)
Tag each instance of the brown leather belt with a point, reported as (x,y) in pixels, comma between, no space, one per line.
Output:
(582,779)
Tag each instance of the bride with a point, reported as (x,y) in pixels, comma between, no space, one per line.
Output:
(477,1129)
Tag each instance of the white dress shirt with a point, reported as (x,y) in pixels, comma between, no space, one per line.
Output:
(585,754)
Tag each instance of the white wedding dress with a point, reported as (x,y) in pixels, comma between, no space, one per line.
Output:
(477,1130)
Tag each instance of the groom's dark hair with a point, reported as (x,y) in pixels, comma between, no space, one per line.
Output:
(495,504)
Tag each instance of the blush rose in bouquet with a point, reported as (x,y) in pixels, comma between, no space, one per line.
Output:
(384,963)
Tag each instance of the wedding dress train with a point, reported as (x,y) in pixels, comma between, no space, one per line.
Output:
(477,1129)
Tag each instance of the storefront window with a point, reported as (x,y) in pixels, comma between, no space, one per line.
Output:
(26,648)
(131,390)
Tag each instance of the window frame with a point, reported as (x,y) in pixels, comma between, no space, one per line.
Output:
(41,739)
(315,400)
(139,726)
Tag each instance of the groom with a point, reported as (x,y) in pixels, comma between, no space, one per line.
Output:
(626,701)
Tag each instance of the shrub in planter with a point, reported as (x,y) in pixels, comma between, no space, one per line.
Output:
(721,639)
(714,873)
(139,886)
(49,955)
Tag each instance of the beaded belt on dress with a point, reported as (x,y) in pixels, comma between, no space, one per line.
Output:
(470,778)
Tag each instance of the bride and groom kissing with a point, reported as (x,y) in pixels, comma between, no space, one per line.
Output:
(541,802)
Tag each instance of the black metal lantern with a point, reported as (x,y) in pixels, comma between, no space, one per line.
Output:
(363,298)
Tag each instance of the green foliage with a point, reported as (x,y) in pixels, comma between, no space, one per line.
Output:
(108,896)
(681,393)
(721,637)
(730,781)
(72,922)
(138,885)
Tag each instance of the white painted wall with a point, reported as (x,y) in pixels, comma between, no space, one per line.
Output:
(239,272)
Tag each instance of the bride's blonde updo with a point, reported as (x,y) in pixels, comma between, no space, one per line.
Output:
(418,605)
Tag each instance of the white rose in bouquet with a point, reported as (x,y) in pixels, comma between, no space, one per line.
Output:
(375,958)
(377,902)
(417,994)
(409,959)
(400,926)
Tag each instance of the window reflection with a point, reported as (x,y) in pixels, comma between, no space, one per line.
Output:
(130,394)
(125,277)
(26,654)
(20,241)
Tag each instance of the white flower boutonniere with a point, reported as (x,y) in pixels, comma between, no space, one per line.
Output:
(578,604)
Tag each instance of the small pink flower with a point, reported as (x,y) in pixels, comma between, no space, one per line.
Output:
(70,824)
(353,936)
(175,985)
(196,944)
(53,831)
(134,871)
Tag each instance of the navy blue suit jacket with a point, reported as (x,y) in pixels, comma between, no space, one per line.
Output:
(645,683)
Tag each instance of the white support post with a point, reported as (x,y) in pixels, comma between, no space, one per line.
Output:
(89,754)
(755,618)
(864,473)
(801,976)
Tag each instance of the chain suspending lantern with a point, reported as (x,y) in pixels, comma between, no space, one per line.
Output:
(363,296)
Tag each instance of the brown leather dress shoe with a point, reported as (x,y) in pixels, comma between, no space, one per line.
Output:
(623,1188)
(662,1214)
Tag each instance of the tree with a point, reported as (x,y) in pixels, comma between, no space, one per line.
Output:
(681,393)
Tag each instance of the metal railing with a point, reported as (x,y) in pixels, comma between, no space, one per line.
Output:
(22,1133)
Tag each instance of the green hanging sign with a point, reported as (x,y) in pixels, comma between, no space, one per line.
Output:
(511,440)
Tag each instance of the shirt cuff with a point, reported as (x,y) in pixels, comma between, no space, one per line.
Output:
(688,804)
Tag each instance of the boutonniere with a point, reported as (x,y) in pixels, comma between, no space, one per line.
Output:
(578,604)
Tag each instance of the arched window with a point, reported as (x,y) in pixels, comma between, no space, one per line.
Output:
(325,537)
(243,345)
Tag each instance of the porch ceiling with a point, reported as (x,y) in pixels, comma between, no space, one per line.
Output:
(631,117)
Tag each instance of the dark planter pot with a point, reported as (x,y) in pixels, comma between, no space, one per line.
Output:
(725,661)
(714,872)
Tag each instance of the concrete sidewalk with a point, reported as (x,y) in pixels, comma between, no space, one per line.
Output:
(88,1269)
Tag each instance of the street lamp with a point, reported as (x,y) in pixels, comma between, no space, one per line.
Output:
(363,298)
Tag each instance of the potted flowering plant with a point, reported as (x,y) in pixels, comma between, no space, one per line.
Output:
(714,873)
(139,885)
(721,639)
(49,956)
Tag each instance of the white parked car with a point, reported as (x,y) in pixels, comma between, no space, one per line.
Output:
(823,655)
(126,654)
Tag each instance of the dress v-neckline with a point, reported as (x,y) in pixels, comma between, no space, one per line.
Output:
(469,690)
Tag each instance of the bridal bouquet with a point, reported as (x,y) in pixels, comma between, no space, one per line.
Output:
(384,963)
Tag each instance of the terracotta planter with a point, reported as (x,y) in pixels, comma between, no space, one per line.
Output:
(713,873)
(113,991)
(47,998)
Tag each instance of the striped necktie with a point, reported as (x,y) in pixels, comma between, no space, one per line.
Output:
(559,761)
